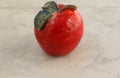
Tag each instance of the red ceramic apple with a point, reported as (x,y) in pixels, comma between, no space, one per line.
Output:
(58,28)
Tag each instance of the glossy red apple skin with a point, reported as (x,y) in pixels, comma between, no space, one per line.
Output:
(61,33)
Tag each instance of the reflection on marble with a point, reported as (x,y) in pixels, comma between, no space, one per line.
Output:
(97,56)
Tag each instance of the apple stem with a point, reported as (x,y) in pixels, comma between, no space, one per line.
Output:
(72,7)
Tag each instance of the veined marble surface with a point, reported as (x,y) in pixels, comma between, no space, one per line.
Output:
(97,56)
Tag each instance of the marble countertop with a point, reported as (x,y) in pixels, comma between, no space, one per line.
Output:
(97,56)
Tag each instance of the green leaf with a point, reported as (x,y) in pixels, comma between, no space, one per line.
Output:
(41,18)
